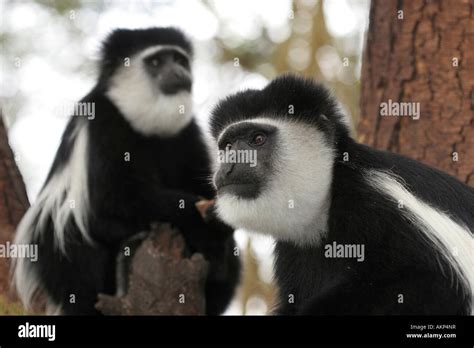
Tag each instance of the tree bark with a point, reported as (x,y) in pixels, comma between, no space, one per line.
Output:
(161,280)
(425,55)
(13,203)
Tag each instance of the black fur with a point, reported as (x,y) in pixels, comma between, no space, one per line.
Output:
(308,100)
(397,258)
(125,197)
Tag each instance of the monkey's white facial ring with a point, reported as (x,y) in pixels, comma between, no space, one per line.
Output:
(140,101)
(290,182)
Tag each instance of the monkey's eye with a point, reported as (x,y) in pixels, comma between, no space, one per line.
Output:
(180,60)
(228,146)
(258,139)
(155,62)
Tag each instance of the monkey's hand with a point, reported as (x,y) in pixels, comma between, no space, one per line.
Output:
(204,207)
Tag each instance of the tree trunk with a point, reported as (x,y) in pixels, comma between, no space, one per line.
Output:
(421,52)
(13,203)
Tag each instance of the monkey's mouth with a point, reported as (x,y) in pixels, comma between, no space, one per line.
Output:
(239,189)
(176,85)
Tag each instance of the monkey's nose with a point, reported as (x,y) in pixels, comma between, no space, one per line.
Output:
(174,83)
(222,176)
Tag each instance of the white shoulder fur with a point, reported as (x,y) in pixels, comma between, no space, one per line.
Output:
(453,241)
(65,196)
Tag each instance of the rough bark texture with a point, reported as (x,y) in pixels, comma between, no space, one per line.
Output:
(162,281)
(13,203)
(414,60)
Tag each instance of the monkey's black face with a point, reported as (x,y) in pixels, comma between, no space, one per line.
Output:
(154,91)
(170,69)
(245,155)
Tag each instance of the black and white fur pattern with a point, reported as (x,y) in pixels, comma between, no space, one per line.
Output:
(295,168)
(415,222)
(138,101)
(94,199)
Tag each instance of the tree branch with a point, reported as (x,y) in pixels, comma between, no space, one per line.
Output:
(161,280)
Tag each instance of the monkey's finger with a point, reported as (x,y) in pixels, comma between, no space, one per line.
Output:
(203,205)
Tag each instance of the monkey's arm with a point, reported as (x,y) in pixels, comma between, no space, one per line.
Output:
(174,206)
(115,221)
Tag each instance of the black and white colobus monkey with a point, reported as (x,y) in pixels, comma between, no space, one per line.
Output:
(141,159)
(316,190)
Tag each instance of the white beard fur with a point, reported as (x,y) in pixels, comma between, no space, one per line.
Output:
(148,111)
(293,181)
